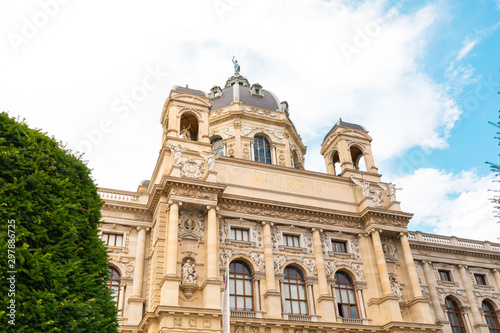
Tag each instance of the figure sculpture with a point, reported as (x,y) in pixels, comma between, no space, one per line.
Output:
(210,158)
(189,273)
(185,133)
(236,66)
(178,150)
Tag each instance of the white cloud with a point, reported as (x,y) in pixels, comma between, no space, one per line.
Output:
(468,45)
(67,77)
(450,204)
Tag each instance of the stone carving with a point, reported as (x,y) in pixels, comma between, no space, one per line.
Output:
(311,265)
(177,321)
(276,237)
(259,260)
(223,231)
(224,256)
(257,235)
(267,330)
(329,268)
(239,329)
(297,330)
(260,112)
(326,244)
(285,330)
(359,271)
(207,323)
(192,322)
(191,225)
(210,159)
(189,273)
(227,132)
(308,242)
(178,151)
(369,192)
(308,216)
(255,330)
(391,190)
(389,249)
(193,193)
(191,168)
(396,287)
(246,130)
(220,112)
(279,260)
(355,247)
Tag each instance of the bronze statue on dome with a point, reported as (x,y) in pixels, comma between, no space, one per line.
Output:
(236,66)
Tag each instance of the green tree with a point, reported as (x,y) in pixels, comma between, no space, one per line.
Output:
(61,265)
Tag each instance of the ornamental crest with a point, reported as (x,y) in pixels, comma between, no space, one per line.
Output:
(192,168)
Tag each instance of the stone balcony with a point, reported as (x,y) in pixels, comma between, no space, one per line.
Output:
(452,241)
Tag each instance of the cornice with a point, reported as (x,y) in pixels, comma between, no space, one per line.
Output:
(452,250)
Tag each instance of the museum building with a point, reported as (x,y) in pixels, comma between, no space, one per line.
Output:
(306,252)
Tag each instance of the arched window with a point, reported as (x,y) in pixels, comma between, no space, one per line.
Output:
(454,316)
(346,298)
(217,146)
(262,149)
(491,317)
(336,163)
(189,127)
(240,287)
(114,284)
(295,291)
(358,159)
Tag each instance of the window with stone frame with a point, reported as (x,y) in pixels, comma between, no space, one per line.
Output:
(239,234)
(114,284)
(346,296)
(444,275)
(339,246)
(112,239)
(491,317)
(291,240)
(240,287)
(455,316)
(480,279)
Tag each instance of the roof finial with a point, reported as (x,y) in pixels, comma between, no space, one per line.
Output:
(236,66)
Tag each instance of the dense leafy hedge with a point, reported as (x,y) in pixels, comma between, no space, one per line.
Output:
(62,266)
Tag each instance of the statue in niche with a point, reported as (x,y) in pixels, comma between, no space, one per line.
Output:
(185,133)
(396,287)
(189,273)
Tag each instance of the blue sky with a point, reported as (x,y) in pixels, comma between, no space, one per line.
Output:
(421,76)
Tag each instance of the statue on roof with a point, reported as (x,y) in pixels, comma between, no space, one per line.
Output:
(236,66)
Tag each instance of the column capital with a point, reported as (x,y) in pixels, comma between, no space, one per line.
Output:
(142,227)
(462,266)
(172,202)
(426,262)
(213,207)
(316,229)
(375,230)
(361,235)
(268,223)
(402,234)
(494,270)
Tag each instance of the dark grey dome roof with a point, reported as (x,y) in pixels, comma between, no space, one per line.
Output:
(341,123)
(190,91)
(267,101)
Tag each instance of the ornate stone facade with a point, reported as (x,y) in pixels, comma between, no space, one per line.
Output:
(200,212)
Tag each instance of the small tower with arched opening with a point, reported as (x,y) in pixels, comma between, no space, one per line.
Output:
(347,150)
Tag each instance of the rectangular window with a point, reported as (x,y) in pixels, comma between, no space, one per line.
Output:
(112,239)
(480,279)
(339,246)
(291,240)
(444,275)
(239,234)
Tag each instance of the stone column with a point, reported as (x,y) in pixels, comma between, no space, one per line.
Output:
(136,301)
(311,298)
(256,294)
(496,274)
(479,324)
(139,262)
(361,303)
(170,282)
(272,296)
(381,264)
(172,239)
(211,287)
(121,296)
(431,285)
(325,301)
(410,266)
(283,301)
